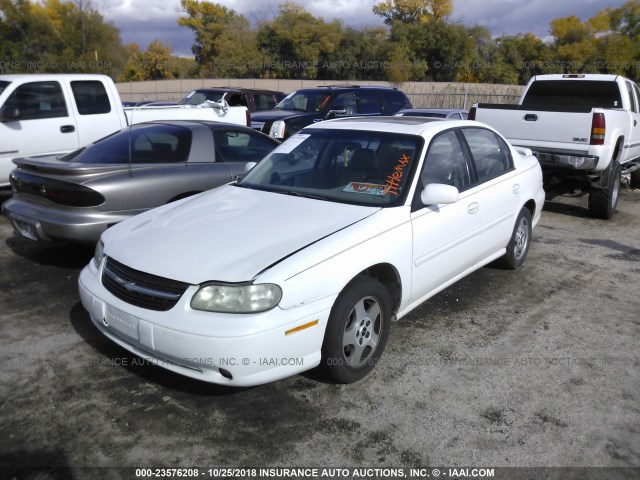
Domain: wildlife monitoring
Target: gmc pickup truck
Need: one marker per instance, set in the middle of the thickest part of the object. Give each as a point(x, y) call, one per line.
point(57, 113)
point(583, 129)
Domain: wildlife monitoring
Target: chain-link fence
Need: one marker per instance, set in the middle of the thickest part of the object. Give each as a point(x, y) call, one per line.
point(421, 94)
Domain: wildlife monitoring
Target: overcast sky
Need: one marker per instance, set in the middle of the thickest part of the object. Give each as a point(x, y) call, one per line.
point(141, 21)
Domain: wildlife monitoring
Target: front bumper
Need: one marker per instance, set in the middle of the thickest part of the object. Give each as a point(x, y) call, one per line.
point(226, 349)
point(49, 224)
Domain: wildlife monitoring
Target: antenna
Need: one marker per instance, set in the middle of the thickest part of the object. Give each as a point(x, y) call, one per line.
point(130, 139)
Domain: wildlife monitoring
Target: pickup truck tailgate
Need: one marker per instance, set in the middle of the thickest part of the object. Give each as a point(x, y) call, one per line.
point(531, 127)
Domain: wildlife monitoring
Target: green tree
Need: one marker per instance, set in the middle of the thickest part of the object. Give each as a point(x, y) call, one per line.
point(152, 64)
point(56, 36)
point(526, 54)
point(208, 21)
point(296, 43)
point(360, 55)
point(413, 11)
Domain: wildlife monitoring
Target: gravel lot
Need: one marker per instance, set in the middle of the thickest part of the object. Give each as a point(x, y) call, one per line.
point(531, 368)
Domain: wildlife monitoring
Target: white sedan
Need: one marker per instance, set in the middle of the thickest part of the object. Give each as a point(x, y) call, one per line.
point(305, 262)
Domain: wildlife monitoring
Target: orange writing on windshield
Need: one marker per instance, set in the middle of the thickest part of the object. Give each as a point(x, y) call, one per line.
point(393, 181)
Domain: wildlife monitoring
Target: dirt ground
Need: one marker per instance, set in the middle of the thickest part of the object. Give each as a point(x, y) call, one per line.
point(537, 367)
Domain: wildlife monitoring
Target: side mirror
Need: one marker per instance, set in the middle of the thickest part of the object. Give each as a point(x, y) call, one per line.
point(9, 114)
point(337, 110)
point(439, 194)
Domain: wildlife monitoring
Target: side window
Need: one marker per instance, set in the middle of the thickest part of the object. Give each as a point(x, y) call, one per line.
point(369, 103)
point(346, 101)
point(445, 163)
point(264, 101)
point(38, 100)
point(632, 98)
point(91, 97)
point(635, 89)
point(236, 100)
point(490, 153)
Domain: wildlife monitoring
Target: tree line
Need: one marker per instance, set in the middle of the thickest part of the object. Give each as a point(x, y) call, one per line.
point(418, 42)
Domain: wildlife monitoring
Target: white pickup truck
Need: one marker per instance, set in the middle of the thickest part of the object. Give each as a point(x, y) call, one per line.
point(584, 130)
point(57, 113)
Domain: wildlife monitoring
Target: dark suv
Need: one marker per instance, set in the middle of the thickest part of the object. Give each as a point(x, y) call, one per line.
point(310, 105)
point(254, 100)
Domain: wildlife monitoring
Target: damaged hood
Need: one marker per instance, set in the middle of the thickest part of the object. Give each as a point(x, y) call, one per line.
point(228, 234)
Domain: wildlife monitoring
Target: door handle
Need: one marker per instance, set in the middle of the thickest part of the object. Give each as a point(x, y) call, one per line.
point(473, 208)
point(531, 117)
point(67, 129)
point(516, 189)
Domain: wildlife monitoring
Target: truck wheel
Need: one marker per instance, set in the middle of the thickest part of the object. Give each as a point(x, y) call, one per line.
point(518, 245)
point(603, 201)
point(357, 330)
point(635, 179)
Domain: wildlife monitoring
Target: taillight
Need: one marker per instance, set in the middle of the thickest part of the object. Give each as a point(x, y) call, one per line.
point(598, 129)
point(248, 118)
point(472, 113)
point(62, 193)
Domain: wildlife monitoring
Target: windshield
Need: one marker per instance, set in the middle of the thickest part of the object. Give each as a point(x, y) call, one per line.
point(346, 166)
point(305, 101)
point(200, 96)
point(3, 85)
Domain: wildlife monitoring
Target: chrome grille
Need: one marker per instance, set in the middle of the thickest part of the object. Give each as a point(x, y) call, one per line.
point(141, 289)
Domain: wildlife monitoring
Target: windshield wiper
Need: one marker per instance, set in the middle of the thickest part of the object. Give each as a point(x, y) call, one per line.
point(300, 194)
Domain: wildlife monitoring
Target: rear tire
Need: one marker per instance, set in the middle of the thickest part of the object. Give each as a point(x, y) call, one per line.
point(603, 201)
point(518, 246)
point(635, 179)
point(357, 330)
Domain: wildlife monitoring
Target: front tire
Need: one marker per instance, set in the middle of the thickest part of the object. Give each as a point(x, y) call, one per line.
point(603, 201)
point(518, 246)
point(357, 330)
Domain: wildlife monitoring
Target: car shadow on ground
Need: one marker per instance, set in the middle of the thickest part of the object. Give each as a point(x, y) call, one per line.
point(113, 354)
point(57, 255)
point(44, 464)
point(564, 209)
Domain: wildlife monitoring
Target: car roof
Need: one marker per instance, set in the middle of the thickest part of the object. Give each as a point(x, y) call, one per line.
point(197, 123)
point(433, 110)
point(235, 90)
point(403, 125)
point(324, 88)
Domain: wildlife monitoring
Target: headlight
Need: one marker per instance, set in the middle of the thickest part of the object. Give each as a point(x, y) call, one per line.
point(277, 129)
point(98, 253)
point(236, 298)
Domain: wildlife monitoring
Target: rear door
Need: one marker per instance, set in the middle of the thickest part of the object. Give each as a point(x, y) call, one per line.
point(496, 190)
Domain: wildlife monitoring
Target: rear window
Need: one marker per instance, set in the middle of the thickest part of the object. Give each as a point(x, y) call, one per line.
point(138, 144)
point(200, 96)
point(264, 101)
point(397, 100)
point(91, 97)
point(573, 93)
point(3, 85)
